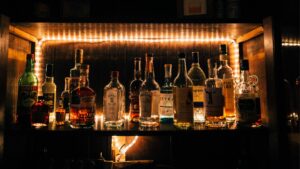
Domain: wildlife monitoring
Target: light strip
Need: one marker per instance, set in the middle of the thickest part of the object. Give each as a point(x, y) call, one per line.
point(291, 44)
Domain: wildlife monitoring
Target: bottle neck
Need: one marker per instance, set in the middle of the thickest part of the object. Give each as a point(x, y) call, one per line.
point(29, 65)
point(182, 67)
point(49, 79)
point(67, 86)
point(137, 70)
point(84, 81)
point(223, 60)
point(244, 76)
point(115, 79)
point(149, 70)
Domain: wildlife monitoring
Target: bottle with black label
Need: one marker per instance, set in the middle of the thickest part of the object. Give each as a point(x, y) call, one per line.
point(214, 99)
point(183, 96)
point(49, 91)
point(27, 92)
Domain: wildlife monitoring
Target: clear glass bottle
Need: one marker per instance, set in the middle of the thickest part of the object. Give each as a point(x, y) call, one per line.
point(134, 92)
point(75, 71)
point(83, 105)
point(214, 99)
point(60, 113)
point(226, 74)
point(49, 91)
point(149, 96)
point(247, 98)
point(166, 110)
point(183, 96)
point(198, 77)
point(66, 96)
point(114, 102)
point(40, 113)
point(27, 92)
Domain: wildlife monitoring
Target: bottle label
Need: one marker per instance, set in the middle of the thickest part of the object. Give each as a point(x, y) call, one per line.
point(74, 83)
point(248, 109)
point(149, 103)
point(198, 94)
point(183, 103)
point(27, 96)
point(228, 93)
point(49, 100)
point(214, 102)
point(166, 104)
point(111, 105)
point(134, 103)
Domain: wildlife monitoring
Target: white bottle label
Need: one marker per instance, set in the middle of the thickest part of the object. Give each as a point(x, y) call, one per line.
point(214, 102)
point(166, 104)
point(198, 94)
point(149, 101)
point(111, 105)
point(183, 103)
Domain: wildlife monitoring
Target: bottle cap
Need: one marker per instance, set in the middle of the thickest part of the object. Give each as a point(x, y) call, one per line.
point(223, 49)
point(198, 104)
point(137, 59)
point(195, 57)
point(49, 70)
point(79, 56)
point(181, 55)
point(114, 74)
point(149, 54)
point(244, 64)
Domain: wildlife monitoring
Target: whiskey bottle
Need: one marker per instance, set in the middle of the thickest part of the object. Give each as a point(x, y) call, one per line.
point(166, 110)
point(214, 100)
point(27, 92)
point(60, 113)
point(75, 71)
point(225, 73)
point(49, 91)
point(83, 106)
point(198, 77)
point(149, 96)
point(247, 98)
point(65, 96)
point(39, 113)
point(114, 102)
point(183, 96)
point(134, 91)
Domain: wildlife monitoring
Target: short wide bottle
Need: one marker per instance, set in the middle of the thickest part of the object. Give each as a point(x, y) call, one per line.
point(114, 102)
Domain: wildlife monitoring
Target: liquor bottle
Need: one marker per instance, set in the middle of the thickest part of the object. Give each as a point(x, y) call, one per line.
point(65, 95)
point(134, 92)
point(166, 110)
point(40, 113)
point(213, 100)
point(60, 113)
point(49, 91)
point(149, 96)
point(183, 96)
point(114, 102)
point(75, 71)
point(198, 77)
point(82, 105)
point(27, 92)
point(247, 98)
point(225, 73)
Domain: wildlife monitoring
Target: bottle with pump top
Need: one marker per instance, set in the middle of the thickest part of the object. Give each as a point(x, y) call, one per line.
point(27, 92)
point(183, 96)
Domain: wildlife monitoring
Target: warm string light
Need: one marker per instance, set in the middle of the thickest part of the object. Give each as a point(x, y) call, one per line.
point(121, 146)
point(235, 60)
point(291, 44)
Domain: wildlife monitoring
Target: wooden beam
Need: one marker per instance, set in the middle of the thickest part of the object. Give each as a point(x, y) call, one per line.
point(22, 34)
point(255, 32)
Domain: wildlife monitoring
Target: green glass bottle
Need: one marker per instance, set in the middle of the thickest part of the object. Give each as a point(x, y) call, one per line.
point(27, 92)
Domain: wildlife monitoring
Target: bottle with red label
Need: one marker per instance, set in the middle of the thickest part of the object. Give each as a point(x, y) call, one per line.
point(27, 92)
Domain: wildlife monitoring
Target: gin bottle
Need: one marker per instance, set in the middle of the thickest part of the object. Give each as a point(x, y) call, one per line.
point(225, 73)
point(114, 102)
point(166, 111)
point(183, 96)
point(134, 92)
point(149, 96)
point(198, 77)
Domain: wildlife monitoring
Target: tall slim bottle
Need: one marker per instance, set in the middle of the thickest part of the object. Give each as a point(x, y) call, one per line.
point(214, 99)
point(75, 71)
point(114, 102)
point(166, 110)
point(198, 77)
point(225, 73)
point(83, 105)
point(65, 96)
point(134, 91)
point(149, 96)
point(27, 92)
point(49, 92)
point(183, 96)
